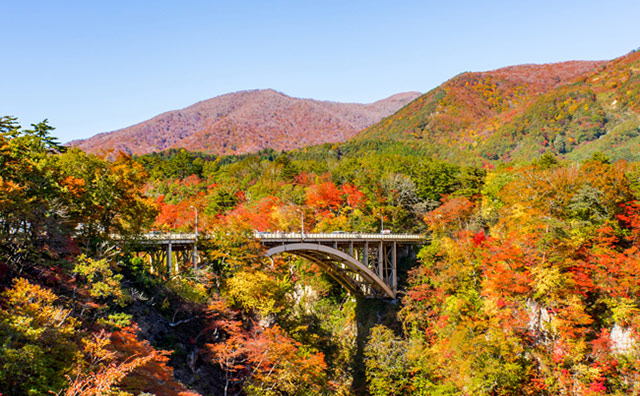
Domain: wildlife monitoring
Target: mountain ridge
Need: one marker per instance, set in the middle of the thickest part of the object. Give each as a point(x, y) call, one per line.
point(571, 109)
point(247, 121)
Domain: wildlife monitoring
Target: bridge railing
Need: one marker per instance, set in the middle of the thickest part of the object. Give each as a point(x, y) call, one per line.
point(160, 236)
point(336, 235)
point(332, 236)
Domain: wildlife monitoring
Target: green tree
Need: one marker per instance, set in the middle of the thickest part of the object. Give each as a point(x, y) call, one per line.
point(387, 367)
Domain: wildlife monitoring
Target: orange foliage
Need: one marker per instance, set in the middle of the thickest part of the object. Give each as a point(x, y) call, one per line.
point(553, 278)
point(506, 267)
point(122, 360)
point(262, 359)
point(73, 185)
point(630, 218)
point(353, 196)
point(324, 197)
point(181, 215)
point(154, 376)
point(255, 217)
point(452, 213)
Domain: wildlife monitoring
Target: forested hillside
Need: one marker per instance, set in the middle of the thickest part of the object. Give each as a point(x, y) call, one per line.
point(528, 288)
point(247, 121)
point(527, 285)
point(97, 318)
point(572, 109)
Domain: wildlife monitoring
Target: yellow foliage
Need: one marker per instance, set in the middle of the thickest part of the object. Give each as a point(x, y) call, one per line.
point(101, 280)
point(189, 290)
point(257, 291)
point(31, 311)
point(37, 336)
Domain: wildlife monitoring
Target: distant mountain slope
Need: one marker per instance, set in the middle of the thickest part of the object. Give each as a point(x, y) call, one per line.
point(571, 108)
point(247, 121)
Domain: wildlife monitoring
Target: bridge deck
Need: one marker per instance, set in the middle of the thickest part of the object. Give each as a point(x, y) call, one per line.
point(276, 237)
point(288, 237)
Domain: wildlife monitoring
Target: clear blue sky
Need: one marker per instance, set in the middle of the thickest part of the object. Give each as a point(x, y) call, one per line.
point(94, 66)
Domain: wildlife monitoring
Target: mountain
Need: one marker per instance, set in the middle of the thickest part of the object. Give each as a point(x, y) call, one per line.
point(247, 121)
point(571, 109)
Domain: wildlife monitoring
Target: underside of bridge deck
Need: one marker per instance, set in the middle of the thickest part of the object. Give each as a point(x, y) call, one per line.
point(362, 268)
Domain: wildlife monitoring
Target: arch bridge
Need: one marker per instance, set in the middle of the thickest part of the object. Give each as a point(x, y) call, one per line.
point(365, 264)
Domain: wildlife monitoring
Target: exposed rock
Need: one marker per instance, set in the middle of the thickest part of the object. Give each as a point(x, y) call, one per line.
point(622, 340)
point(539, 317)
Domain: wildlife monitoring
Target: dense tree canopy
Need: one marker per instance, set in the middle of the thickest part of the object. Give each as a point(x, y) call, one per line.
point(528, 285)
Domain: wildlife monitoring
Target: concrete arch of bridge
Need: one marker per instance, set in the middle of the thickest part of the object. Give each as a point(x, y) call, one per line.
point(310, 251)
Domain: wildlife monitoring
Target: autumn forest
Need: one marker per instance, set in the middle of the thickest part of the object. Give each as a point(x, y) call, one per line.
point(525, 182)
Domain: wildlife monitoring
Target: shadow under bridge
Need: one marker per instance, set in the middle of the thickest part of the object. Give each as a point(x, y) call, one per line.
point(365, 264)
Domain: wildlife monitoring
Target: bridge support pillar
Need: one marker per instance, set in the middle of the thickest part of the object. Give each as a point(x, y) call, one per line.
point(195, 256)
point(365, 253)
point(169, 254)
point(394, 268)
point(381, 261)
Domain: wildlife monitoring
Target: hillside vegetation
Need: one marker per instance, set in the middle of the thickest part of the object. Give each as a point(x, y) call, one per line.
point(100, 319)
point(528, 285)
point(247, 121)
point(571, 109)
